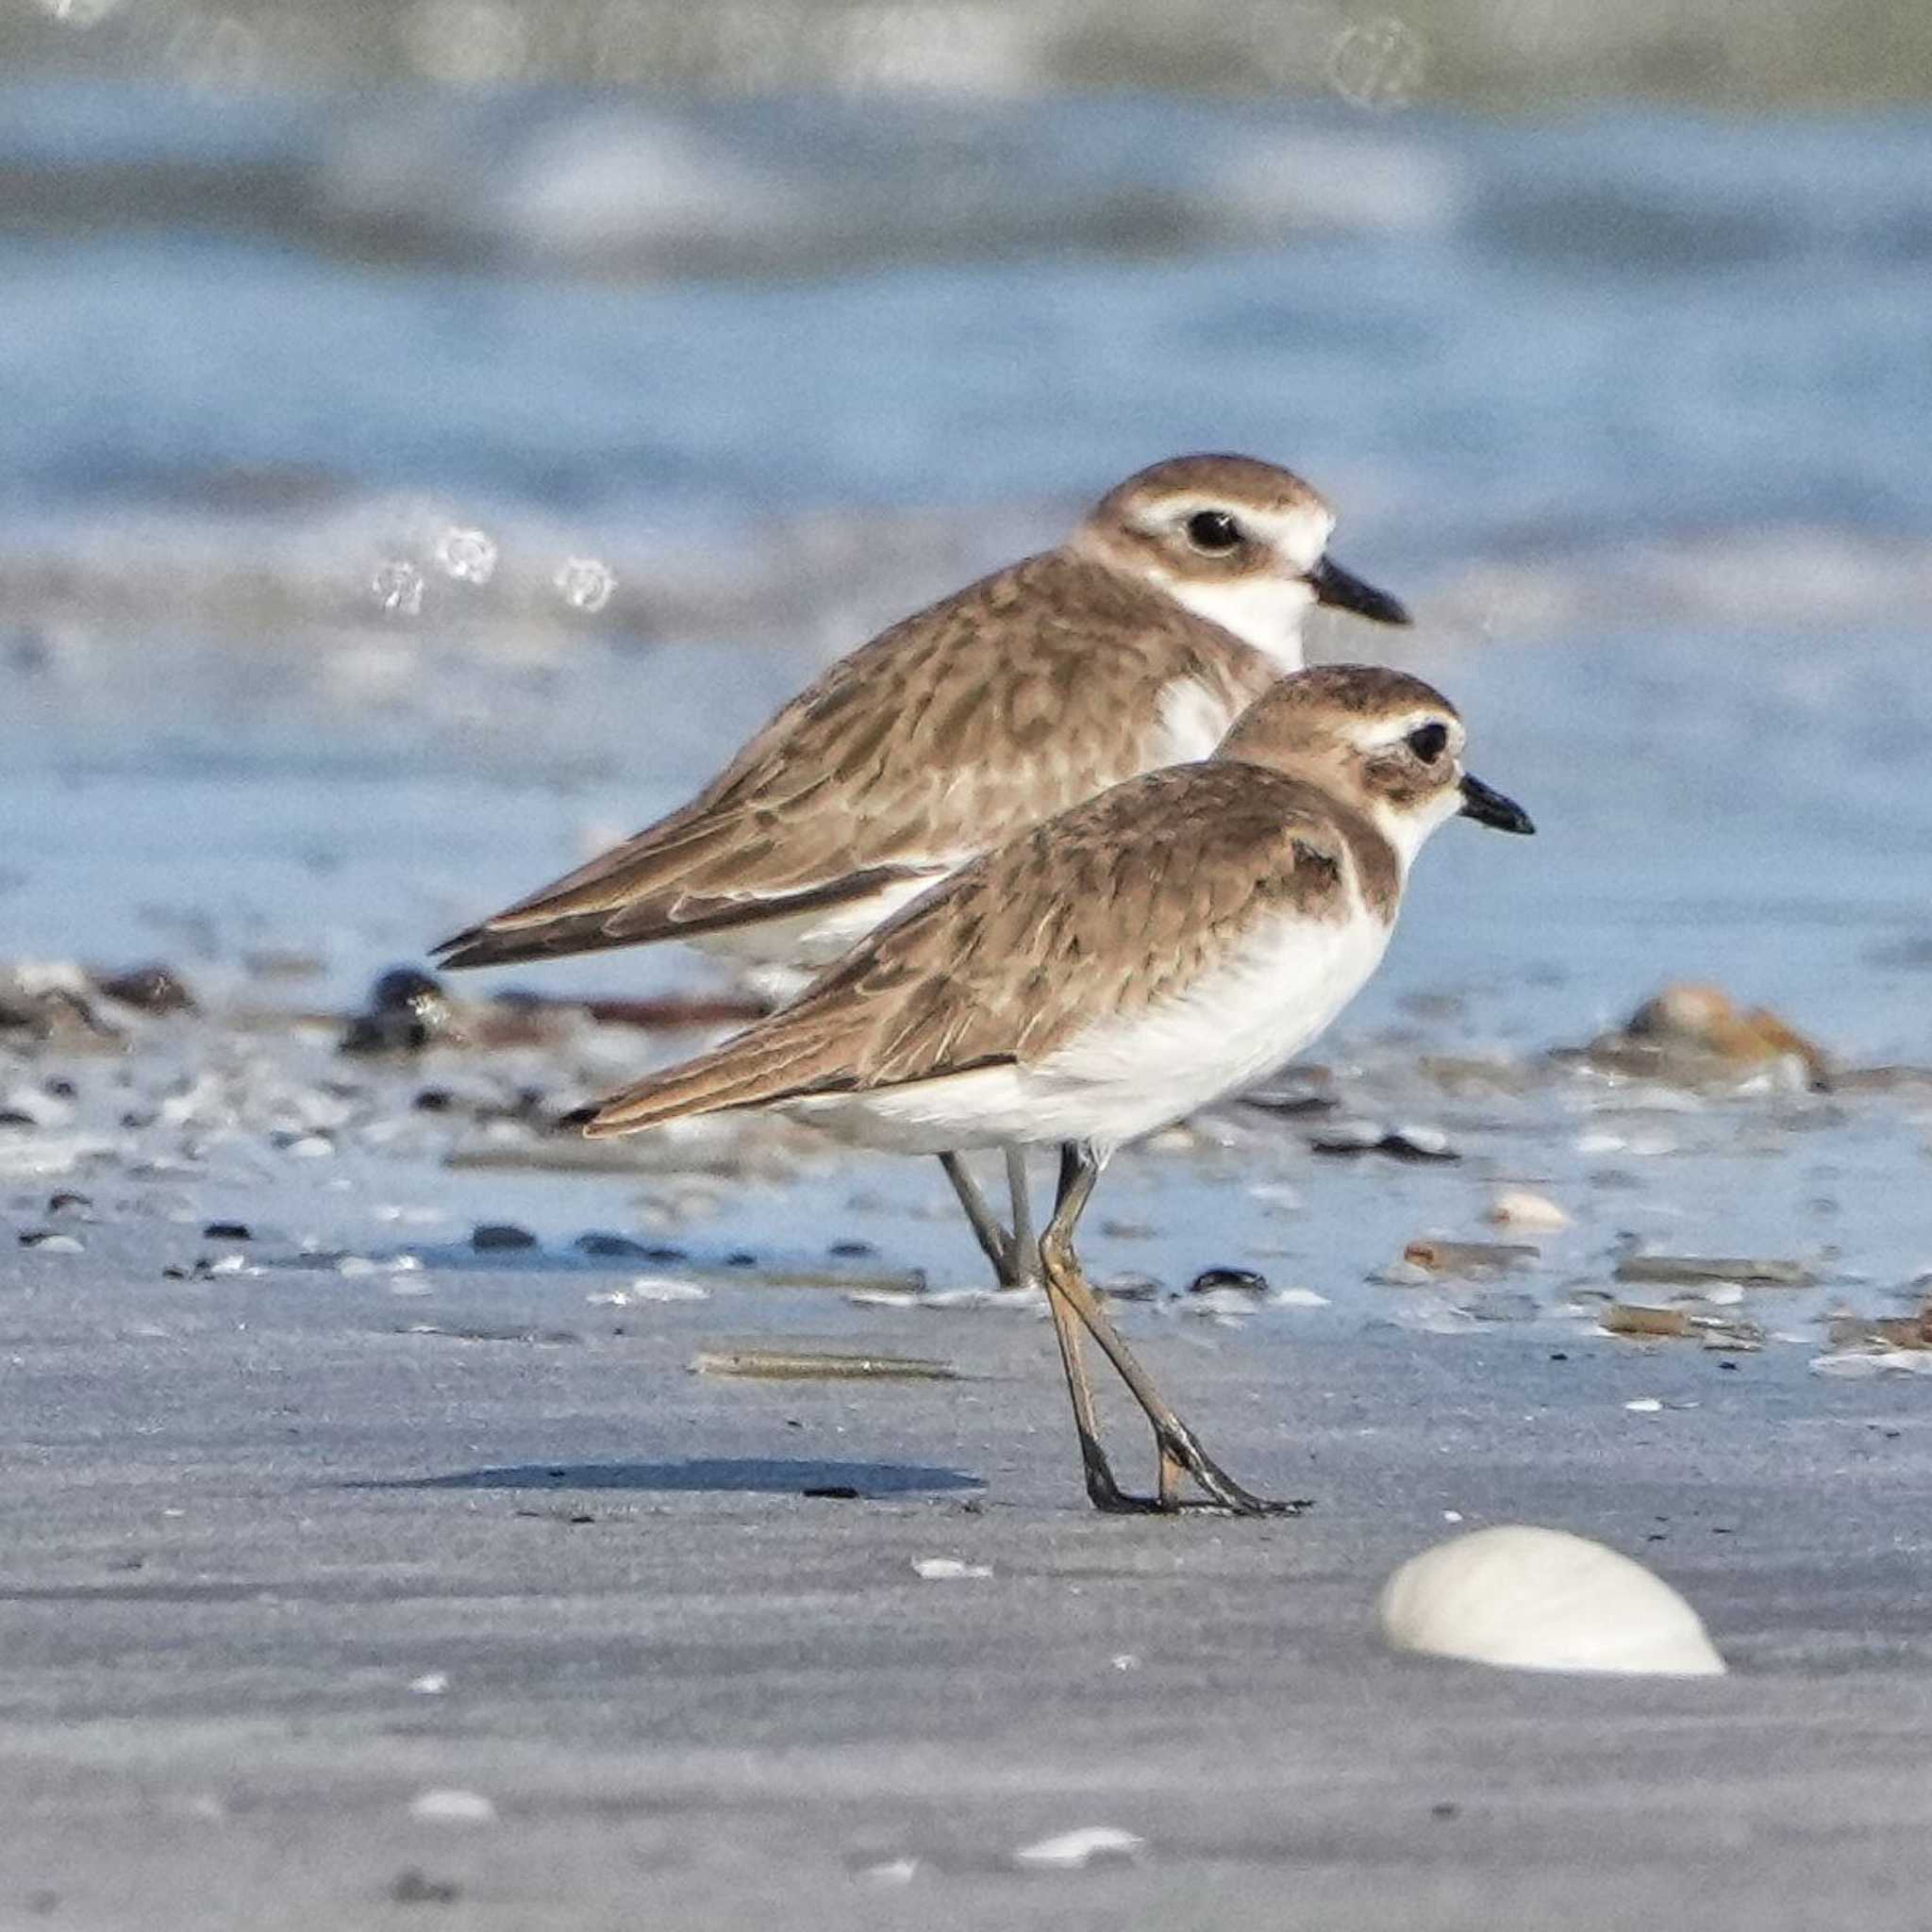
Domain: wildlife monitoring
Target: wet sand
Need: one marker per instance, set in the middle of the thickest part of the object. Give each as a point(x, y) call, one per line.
point(276, 1566)
point(343, 1511)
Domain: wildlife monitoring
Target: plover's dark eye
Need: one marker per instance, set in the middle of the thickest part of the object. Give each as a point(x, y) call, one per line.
point(1213, 530)
point(1428, 741)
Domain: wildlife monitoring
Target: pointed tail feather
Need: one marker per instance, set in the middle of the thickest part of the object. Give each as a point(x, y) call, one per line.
point(773, 1060)
point(486, 946)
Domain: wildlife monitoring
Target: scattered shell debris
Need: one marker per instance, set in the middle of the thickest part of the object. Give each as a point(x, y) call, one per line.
point(941, 1298)
point(1071, 1850)
point(1860, 1364)
point(798, 1364)
point(1524, 1597)
point(1694, 1035)
point(1470, 1258)
point(1881, 1331)
point(1399, 1143)
point(651, 1288)
point(1222, 1304)
point(1696, 1269)
point(1715, 1331)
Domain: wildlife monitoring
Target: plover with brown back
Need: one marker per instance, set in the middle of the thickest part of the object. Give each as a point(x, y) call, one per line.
point(1133, 645)
point(1113, 969)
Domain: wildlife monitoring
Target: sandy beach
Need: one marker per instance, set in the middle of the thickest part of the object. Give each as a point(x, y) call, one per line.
point(287, 1553)
point(426, 452)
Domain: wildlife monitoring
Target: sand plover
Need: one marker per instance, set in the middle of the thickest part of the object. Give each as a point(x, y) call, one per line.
point(1135, 644)
point(1115, 968)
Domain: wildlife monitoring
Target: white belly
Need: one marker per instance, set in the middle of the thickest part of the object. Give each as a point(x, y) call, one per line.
point(1123, 1078)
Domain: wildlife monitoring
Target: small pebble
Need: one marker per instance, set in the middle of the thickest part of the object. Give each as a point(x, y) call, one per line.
point(407, 1010)
point(414, 1888)
point(947, 1568)
point(1245, 1279)
point(1644, 1405)
point(152, 989)
point(228, 1231)
point(497, 1236)
point(616, 1247)
point(45, 1242)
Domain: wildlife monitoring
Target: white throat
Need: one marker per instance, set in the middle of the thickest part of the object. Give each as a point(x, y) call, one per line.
point(1265, 612)
point(1409, 831)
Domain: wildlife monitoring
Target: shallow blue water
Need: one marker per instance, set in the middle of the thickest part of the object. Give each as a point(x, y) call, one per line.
point(1646, 390)
point(1479, 333)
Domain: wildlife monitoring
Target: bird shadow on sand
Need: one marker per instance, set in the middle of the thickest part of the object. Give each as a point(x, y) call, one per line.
point(743, 1475)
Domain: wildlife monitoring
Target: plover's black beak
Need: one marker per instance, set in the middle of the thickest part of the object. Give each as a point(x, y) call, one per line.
point(1488, 808)
point(1344, 591)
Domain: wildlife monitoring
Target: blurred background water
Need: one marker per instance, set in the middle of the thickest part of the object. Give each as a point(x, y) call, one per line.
point(431, 431)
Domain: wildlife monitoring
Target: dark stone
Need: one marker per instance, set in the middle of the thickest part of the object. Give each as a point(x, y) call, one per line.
point(611, 1246)
point(408, 1009)
point(1244, 1278)
point(414, 1888)
point(228, 1231)
point(850, 1250)
point(500, 1235)
point(150, 988)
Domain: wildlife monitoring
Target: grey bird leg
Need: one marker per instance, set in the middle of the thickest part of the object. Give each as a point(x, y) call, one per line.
point(1023, 1249)
point(992, 1239)
point(1180, 1450)
point(1023, 1252)
point(1016, 1260)
point(1015, 1257)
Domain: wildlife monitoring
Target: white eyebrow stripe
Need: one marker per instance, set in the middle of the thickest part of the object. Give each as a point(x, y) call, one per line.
point(1394, 730)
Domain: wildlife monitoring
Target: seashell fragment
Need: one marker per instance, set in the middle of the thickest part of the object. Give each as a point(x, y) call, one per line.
point(453, 1807)
point(1535, 1599)
point(1520, 1207)
point(1071, 1850)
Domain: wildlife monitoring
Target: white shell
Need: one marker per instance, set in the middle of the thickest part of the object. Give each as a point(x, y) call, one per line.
point(1073, 1849)
point(1520, 1207)
point(1544, 1600)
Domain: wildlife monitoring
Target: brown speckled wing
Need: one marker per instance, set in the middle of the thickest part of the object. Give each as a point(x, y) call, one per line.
point(1100, 912)
point(1023, 695)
